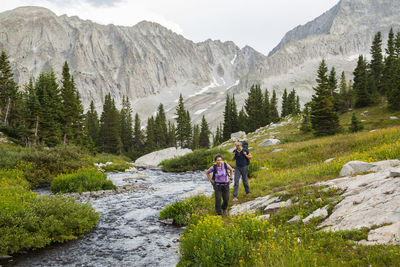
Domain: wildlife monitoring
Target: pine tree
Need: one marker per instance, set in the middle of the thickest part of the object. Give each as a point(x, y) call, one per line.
point(162, 132)
point(110, 140)
point(196, 137)
point(234, 115)
point(188, 131)
point(274, 108)
point(363, 96)
point(49, 97)
point(242, 120)
point(227, 129)
point(298, 107)
point(389, 65)
point(284, 111)
point(72, 109)
point(150, 144)
point(324, 119)
point(356, 125)
point(306, 123)
point(339, 98)
point(181, 127)
point(217, 137)
point(291, 103)
point(92, 124)
point(394, 93)
point(138, 136)
point(8, 89)
point(32, 106)
point(204, 134)
point(266, 108)
point(332, 82)
point(376, 66)
point(171, 134)
point(254, 108)
point(126, 125)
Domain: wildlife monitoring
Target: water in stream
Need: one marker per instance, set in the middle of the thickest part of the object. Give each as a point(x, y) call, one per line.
point(128, 233)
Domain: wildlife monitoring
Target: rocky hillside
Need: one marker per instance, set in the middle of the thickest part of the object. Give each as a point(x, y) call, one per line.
point(140, 61)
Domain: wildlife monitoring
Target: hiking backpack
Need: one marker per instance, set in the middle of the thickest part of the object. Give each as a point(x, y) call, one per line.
point(215, 170)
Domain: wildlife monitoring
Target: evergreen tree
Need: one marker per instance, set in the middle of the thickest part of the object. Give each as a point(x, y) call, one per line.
point(110, 140)
point(196, 137)
point(306, 123)
point(8, 89)
point(332, 82)
point(298, 107)
point(393, 93)
point(204, 134)
point(274, 108)
point(389, 65)
point(49, 97)
point(227, 130)
point(254, 108)
point(234, 115)
point(162, 132)
point(150, 144)
point(72, 109)
point(171, 134)
point(138, 136)
point(188, 131)
point(376, 66)
point(324, 119)
point(126, 125)
point(242, 121)
point(363, 96)
point(217, 137)
point(92, 124)
point(291, 103)
point(267, 109)
point(32, 107)
point(339, 98)
point(356, 125)
point(285, 108)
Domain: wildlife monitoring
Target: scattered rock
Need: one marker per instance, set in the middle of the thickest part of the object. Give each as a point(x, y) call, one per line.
point(394, 118)
point(154, 159)
point(372, 131)
point(275, 207)
point(277, 150)
point(5, 257)
point(253, 206)
point(131, 169)
point(238, 136)
point(329, 160)
point(395, 173)
point(270, 142)
point(386, 235)
point(167, 221)
point(364, 113)
point(321, 212)
point(354, 167)
point(363, 120)
point(294, 220)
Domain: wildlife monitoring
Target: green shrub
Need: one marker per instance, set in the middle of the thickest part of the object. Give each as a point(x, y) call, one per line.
point(81, 181)
point(117, 167)
point(197, 160)
point(180, 211)
point(48, 163)
point(10, 155)
point(254, 167)
point(28, 221)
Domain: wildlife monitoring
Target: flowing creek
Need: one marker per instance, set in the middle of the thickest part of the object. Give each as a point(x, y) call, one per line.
point(128, 233)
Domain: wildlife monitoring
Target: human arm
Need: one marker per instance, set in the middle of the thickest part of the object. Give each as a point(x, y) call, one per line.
point(247, 154)
point(209, 177)
point(231, 171)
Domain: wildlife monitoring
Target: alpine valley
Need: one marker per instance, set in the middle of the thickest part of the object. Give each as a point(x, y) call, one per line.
point(150, 64)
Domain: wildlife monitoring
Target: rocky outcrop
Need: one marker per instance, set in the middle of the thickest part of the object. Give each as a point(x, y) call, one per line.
point(155, 158)
point(270, 142)
point(354, 167)
point(238, 136)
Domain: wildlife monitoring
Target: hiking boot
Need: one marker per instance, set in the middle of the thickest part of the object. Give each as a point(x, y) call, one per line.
point(235, 199)
point(247, 195)
point(224, 212)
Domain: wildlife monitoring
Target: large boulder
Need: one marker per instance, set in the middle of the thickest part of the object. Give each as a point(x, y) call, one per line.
point(270, 142)
point(355, 167)
point(153, 159)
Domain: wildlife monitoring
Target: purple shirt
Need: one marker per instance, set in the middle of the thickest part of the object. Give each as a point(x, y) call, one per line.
point(221, 175)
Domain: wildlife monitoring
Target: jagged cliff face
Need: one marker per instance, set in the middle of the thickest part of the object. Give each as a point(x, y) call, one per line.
point(140, 61)
point(339, 36)
point(150, 64)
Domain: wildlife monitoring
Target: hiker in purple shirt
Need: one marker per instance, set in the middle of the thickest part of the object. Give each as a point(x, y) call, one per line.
point(220, 181)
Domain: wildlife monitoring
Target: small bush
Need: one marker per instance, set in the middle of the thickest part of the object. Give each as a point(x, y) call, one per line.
point(28, 221)
point(197, 160)
point(117, 167)
point(48, 163)
point(10, 155)
point(180, 211)
point(81, 181)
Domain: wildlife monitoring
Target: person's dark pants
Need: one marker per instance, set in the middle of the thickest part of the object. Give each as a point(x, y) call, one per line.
point(221, 191)
point(241, 172)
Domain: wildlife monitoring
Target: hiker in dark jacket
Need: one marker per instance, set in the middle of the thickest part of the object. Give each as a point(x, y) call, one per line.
point(220, 182)
point(242, 157)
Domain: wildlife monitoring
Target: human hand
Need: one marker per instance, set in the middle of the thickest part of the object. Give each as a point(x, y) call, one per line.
point(213, 182)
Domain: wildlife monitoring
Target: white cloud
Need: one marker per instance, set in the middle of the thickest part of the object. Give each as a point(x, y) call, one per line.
point(258, 23)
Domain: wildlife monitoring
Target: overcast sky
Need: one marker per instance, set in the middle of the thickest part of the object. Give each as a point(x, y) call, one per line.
point(258, 23)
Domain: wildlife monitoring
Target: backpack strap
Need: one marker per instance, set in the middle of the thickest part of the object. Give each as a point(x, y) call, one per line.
point(214, 171)
point(226, 170)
